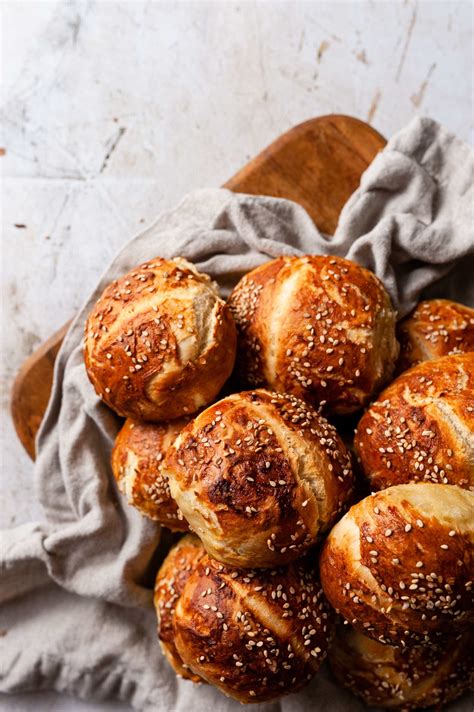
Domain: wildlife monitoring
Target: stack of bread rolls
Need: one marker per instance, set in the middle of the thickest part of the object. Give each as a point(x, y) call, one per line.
point(248, 601)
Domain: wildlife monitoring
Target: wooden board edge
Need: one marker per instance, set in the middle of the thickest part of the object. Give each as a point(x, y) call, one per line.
point(337, 121)
point(25, 380)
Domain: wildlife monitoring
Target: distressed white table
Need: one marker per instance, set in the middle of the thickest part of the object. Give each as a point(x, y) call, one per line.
point(113, 111)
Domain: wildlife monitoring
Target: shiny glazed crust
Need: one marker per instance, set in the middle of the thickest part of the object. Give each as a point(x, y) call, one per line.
point(259, 476)
point(437, 327)
point(402, 678)
point(159, 343)
point(399, 565)
point(178, 566)
point(321, 328)
point(421, 428)
point(137, 461)
point(256, 635)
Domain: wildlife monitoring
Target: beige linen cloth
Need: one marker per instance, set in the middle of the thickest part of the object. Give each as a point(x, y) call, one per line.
point(76, 589)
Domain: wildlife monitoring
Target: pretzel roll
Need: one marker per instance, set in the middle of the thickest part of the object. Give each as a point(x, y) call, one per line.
point(259, 476)
point(160, 342)
point(435, 328)
point(421, 428)
point(256, 635)
point(178, 566)
point(407, 678)
point(399, 565)
point(137, 461)
point(321, 328)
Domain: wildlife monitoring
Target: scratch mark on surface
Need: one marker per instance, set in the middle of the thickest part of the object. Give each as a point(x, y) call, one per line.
point(374, 105)
point(301, 42)
point(59, 214)
point(75, 25)
point(417, 98)
point(411, 27)
point(108, 200)
point(323, 47)
point(261, 63)
point(450, 23)
point(113, 143)
point(361, 57)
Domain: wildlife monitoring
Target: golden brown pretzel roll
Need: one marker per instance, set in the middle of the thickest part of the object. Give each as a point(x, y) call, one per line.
point(321, 328)
point(137, 461)
point(421, 428)
point(435, 328)
point(259, 476)
point(175, 570)
point(256, 635)
point(396, 677)
point(399, 565)
point(160, 342)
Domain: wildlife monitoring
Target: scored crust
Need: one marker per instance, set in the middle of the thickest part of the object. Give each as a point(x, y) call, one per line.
point(137, 462)
point(319, 327)
point(259, 476)
point(399, 565)
point(397, 677)
point(256, 635)
point(421, 428)
point(435, 328)
point(181, 561)
point(159, 343)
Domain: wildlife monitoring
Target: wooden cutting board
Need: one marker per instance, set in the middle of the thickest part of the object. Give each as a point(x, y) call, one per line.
point(318, 164)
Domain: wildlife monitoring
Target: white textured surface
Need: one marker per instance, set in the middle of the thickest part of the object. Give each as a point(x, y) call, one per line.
point(113, 111)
